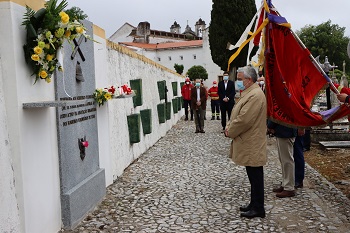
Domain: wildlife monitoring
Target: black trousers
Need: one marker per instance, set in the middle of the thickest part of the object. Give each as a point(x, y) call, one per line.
point(187, 103)
point(226, 108)
point(256, 179)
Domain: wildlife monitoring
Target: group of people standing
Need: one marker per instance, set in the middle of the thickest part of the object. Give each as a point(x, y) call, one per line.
point(195, 97)
point(247, 126)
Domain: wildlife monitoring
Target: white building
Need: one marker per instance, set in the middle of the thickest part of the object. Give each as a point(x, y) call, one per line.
point(169, 48)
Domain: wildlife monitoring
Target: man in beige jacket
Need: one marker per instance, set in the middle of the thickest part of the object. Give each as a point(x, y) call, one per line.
point(247, 128)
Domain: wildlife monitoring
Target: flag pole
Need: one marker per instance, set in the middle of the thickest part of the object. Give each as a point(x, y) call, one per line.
point(312, 58)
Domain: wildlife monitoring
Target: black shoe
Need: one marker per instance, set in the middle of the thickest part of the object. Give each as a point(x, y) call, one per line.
point(202, 131)
point(197, 131)
point(245, 208)
point(186, 119)
point(212, 118)
point(253, 214)
point(217, 118)
point(191, 118)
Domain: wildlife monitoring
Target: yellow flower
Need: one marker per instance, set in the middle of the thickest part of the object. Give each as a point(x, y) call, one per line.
point(47, 46)
point(65, 19)
point(38, 50)
point(35, 57)
point(67, 33)
point(79, 30)
point(48, 80)
point(43, 74)
point(108, 96)
point(49, 57)
point(62, 13)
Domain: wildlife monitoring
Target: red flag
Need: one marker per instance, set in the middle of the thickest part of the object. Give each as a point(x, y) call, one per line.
point(292, 79)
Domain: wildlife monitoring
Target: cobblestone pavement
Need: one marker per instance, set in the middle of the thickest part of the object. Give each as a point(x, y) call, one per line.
point(187, 183)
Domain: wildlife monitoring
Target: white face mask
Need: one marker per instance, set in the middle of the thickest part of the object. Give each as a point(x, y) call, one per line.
point(261, 83)
point(215, 85)
point(225, 78)
point(187, 83)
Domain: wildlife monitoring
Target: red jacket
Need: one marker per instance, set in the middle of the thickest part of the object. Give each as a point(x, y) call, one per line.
point(213, 93)
point(186, 91)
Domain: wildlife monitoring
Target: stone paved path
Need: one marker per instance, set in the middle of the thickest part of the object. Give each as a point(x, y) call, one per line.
point(187, 183)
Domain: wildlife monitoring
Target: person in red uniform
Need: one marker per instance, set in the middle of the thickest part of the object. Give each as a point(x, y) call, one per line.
point(215, 102)
point(186, 95)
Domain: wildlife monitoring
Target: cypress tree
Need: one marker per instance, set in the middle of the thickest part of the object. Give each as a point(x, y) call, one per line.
point(228, 21)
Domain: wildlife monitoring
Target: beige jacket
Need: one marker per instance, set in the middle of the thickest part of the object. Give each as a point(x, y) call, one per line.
point(247, 128)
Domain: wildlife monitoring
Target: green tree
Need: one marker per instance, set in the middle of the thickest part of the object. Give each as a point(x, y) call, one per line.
point(197, 72)
point(326, 39)
point(179, 68)
point(77, 12)
point(228, 21)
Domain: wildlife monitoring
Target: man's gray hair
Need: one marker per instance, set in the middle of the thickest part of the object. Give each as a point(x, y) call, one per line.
point(249, 72)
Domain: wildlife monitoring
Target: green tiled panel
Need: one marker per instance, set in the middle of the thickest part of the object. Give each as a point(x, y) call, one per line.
point(161, 113)
point(175, 108)
point(174, 84)
point(161, 89)
point(168, 110)
point(134, 128)
point(179, 104)
point(137, 86)
point(146, 119)
point(182, 102)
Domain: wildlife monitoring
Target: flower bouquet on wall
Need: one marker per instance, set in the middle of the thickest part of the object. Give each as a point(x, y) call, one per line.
point(102, 95)
point(46, 31)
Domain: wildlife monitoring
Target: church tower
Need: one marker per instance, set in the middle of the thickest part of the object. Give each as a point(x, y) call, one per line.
point(175, 28)
point(200, 27)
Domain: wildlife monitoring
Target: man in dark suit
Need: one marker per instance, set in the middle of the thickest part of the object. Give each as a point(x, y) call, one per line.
point(226, 91)
point(199, 103)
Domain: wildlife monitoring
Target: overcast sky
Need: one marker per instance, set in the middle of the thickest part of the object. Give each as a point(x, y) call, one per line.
point(161, 14)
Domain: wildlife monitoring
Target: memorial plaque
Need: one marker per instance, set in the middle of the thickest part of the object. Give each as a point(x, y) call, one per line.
point(82, 180)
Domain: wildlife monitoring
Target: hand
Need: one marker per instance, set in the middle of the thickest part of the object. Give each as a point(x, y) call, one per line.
point(226, 133)
point(198, 103)
point(341, 97)
point(225, 99)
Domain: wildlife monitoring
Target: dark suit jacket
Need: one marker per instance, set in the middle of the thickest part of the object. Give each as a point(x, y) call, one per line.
point(229, 92)
point(203, 95)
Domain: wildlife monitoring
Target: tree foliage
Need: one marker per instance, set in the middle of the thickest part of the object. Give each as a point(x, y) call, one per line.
point(326, 39)
point(228, 21)
point(197, 72)
point(179, 68)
